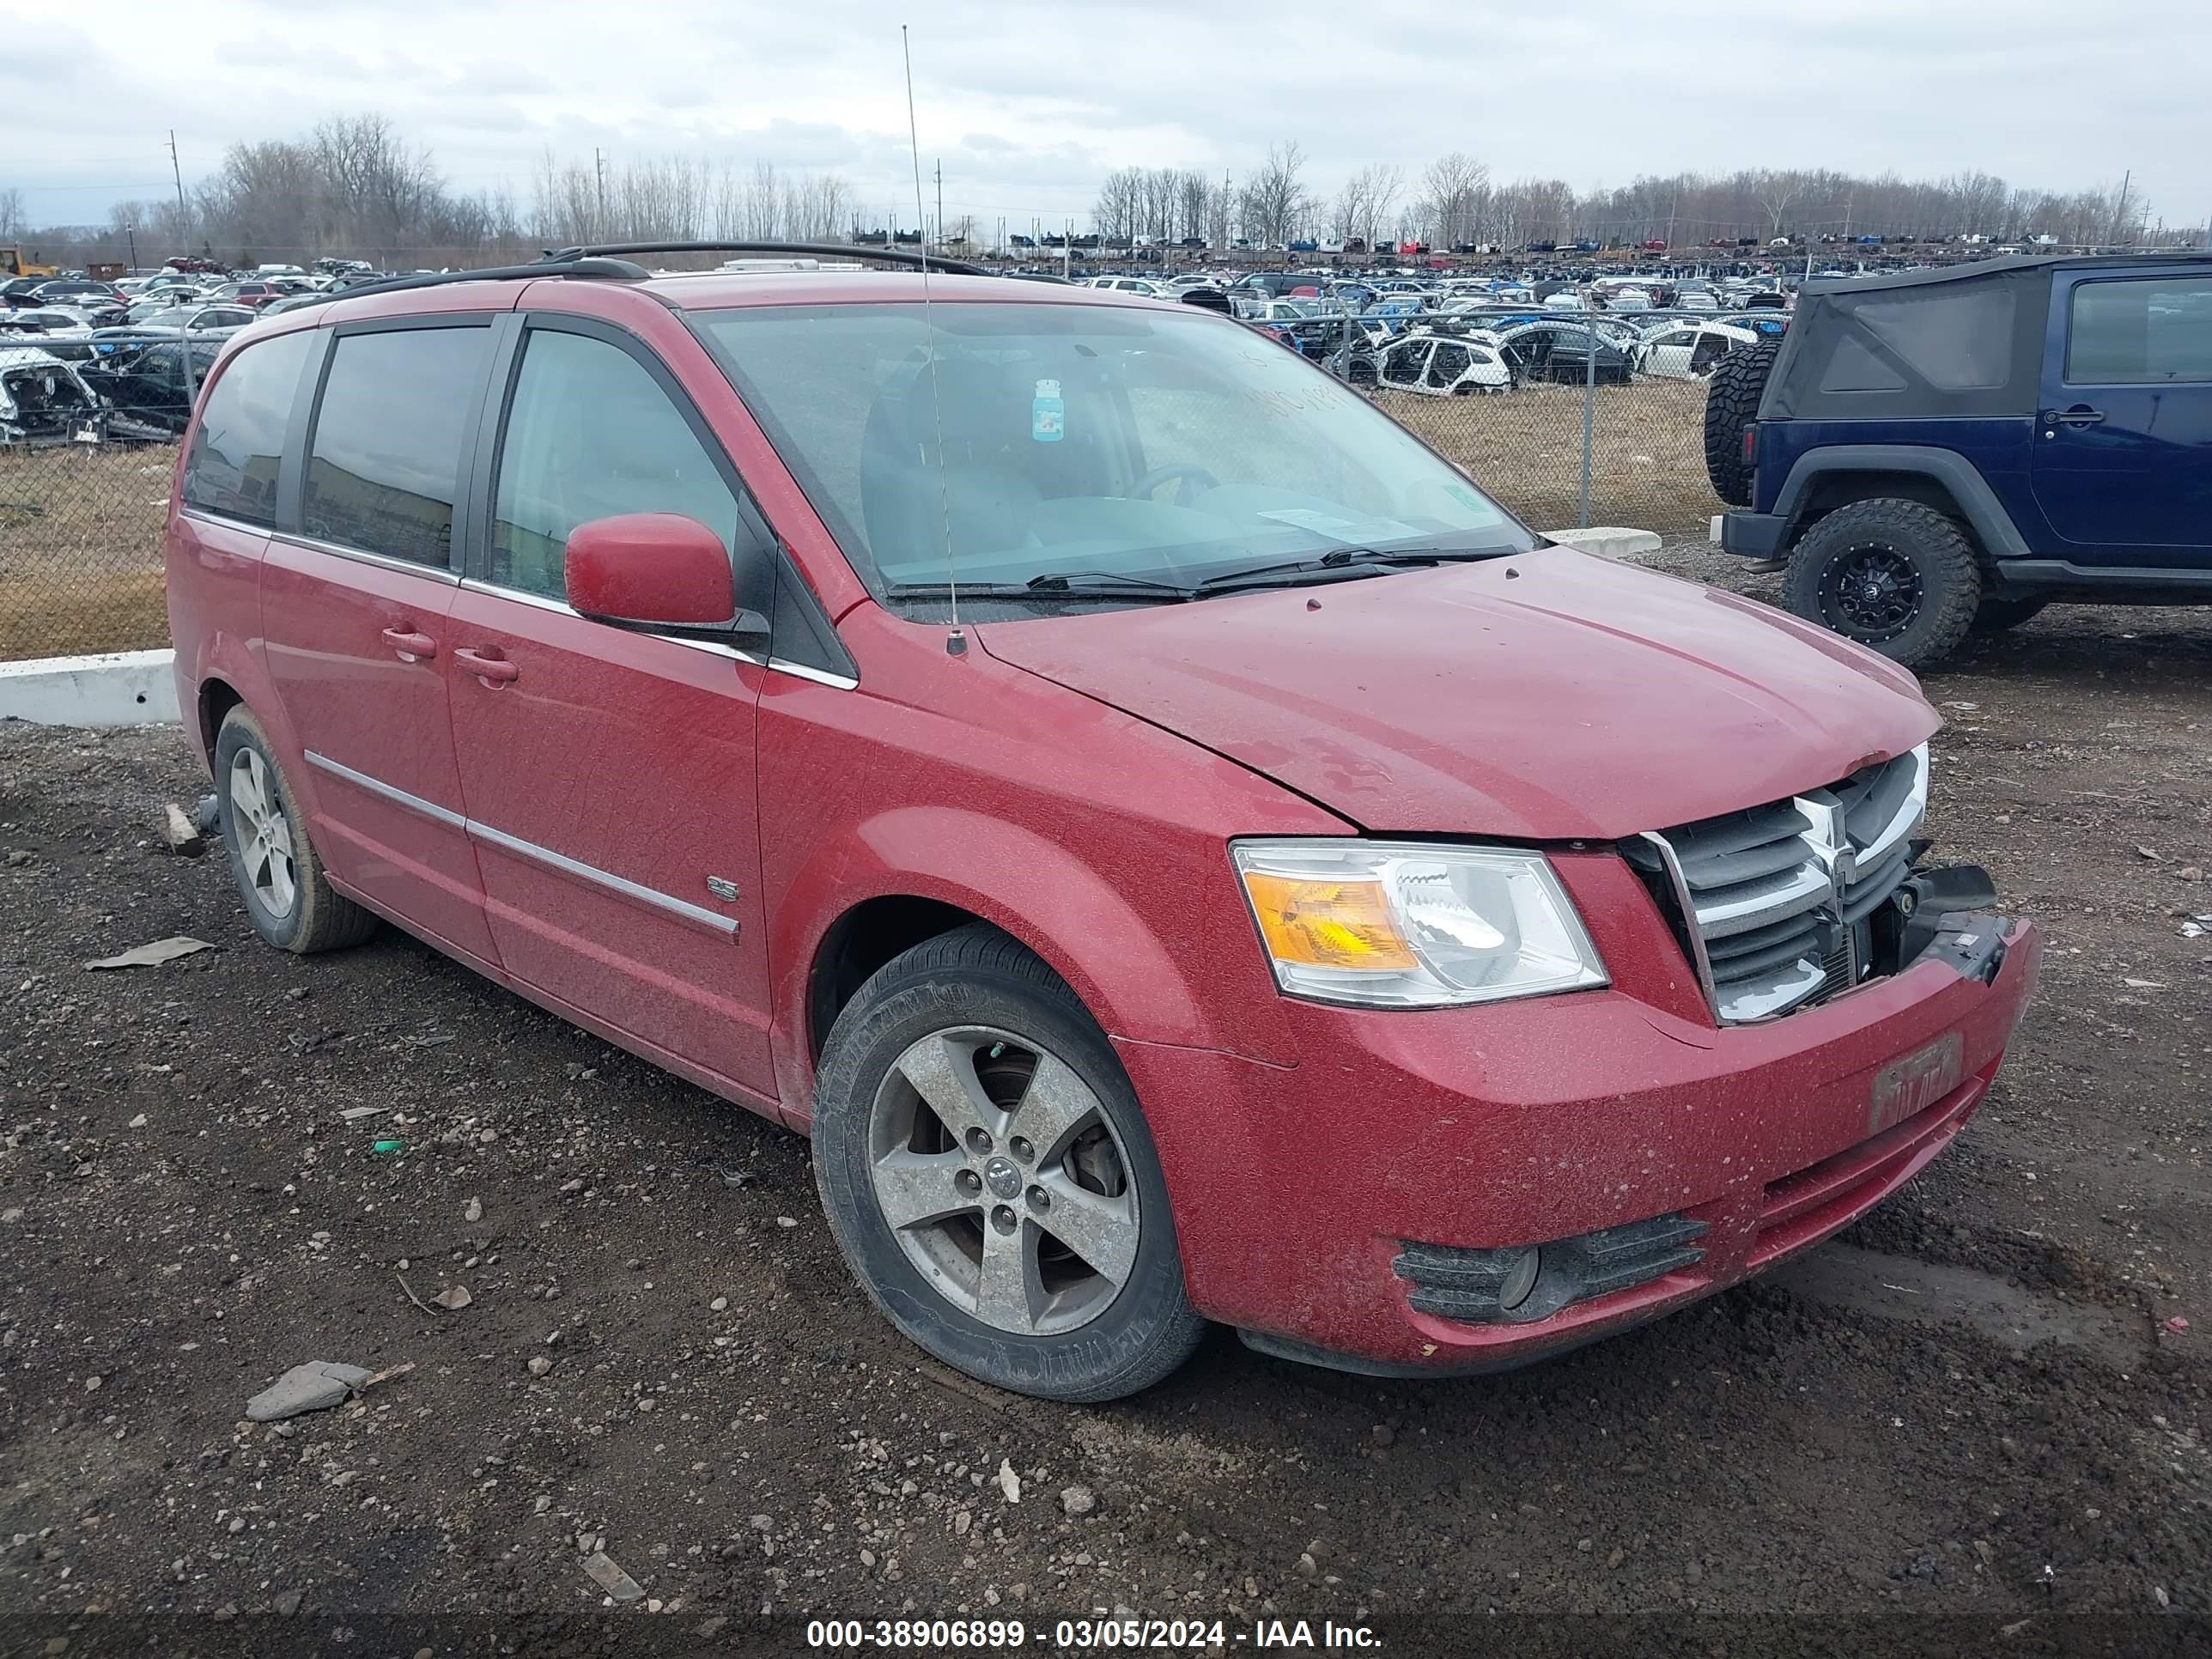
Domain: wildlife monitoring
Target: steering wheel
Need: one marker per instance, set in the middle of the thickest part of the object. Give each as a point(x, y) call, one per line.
point(1193, 479)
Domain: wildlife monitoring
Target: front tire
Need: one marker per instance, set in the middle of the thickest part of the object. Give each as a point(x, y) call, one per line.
point(289, 899)
point(990, 1179)
point(1896, 576)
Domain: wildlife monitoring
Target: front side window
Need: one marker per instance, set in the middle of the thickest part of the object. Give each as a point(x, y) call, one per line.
point(232, 465)
point(590, 435)
point(383, 464)
point(1047, 439)
point(2144, 332)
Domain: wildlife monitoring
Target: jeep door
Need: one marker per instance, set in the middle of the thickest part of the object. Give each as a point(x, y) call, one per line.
point(2123, 465)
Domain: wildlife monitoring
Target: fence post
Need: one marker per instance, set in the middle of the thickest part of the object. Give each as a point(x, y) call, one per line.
point(1589, 395)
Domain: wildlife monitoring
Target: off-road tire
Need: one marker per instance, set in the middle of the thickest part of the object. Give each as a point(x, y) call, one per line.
point(1933, 546)
point(1732, 394)
point(1996, 616)
point(977, 976)
point(319, 917)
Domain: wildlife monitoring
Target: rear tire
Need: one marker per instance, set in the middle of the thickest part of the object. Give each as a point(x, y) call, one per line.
point(990, 1178)
point(289, 899)
point(1732, 395)
point(1896, 576)
point(1996, 616)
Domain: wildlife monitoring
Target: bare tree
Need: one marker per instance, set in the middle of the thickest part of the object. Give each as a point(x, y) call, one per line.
point(1453, 188)
point(12, 220)
point(1276, 204)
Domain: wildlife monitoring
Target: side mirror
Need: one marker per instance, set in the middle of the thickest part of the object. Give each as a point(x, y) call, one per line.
point(655, 570)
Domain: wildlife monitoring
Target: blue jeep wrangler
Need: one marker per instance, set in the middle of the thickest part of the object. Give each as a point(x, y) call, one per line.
point(1940, 451)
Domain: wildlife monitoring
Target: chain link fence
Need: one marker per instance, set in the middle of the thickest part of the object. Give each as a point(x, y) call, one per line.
point(86, 457)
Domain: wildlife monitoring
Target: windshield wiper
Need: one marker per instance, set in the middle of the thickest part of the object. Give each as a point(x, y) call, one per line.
point(1057, 591)
point(1058, 582)
point(1347, 560)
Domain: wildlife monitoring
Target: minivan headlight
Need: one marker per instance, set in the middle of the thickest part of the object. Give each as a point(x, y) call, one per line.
point(1409, 925)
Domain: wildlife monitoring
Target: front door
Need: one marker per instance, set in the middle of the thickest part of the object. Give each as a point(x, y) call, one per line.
point(609, 772)
point(354, 608)
point(2123, 465)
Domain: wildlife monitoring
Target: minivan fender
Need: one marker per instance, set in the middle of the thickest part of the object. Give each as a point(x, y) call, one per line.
point(1959, 478)
point(1035, 890)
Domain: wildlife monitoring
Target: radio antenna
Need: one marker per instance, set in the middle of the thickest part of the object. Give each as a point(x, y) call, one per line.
point(955, 643)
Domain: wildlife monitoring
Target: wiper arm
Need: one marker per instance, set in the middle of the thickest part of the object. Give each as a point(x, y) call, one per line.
point(1346, 559)
point(1058, 582)
point(1060, 594)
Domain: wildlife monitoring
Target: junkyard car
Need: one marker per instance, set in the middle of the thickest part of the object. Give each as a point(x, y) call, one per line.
point(1688, 353)
point(45, 400)
point(1439, 365)
point(1183, 852)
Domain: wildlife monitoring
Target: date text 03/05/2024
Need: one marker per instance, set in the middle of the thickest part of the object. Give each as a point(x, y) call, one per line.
point(1213, 1636)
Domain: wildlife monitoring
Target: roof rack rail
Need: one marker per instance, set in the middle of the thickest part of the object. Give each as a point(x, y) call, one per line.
point(810, 250)
point(612, 271)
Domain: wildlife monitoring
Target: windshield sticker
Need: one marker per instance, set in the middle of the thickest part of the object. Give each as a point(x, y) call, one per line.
point(1350, 532)
point(1048, 413)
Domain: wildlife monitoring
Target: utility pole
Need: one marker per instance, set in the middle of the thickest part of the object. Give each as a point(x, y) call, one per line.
point(2120, 211)
point(940, 175)
point(599, 175)
point(177, 172)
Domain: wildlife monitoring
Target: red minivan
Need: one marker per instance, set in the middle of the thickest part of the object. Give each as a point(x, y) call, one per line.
point(1180, 849)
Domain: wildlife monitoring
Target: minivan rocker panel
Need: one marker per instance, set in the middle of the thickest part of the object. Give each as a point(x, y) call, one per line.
point(1421, 956)
point(1558, 697)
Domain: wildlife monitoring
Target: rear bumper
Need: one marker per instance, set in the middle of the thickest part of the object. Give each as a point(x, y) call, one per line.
point(1754, 535)
point(1296, 1190)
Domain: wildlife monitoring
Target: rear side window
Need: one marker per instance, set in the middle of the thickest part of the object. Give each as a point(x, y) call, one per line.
point(232, 466)
point(2145, 331)
point(383, 464)
point(592, 434)
point(1957, 335)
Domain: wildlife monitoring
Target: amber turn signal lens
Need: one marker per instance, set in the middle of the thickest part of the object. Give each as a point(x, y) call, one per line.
point(1326, 924)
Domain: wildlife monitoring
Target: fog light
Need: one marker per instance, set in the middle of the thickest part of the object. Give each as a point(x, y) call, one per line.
point(1520, 1278)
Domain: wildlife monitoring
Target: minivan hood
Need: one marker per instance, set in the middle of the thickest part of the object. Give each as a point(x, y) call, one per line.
point(1550, 696)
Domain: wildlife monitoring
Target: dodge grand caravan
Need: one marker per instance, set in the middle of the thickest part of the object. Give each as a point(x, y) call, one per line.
point(1181, 852)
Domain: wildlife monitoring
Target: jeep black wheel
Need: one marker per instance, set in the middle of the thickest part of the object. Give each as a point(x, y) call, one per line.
point(1895, 575)
point(991, 1179)
point(1996, 616)
point(1732, 394)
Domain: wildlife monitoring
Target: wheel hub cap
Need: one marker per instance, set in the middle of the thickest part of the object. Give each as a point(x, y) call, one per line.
point(996, 1169)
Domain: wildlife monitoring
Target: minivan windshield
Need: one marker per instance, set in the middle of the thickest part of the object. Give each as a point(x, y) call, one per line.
point(1013, 444)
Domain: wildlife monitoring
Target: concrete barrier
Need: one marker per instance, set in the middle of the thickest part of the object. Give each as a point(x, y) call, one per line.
point(120, 687)
point(1606, 541)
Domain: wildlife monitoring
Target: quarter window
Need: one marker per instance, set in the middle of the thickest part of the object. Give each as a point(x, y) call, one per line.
point(232, 467)
point(384, 463)
point(2145, 331)
point(592, 434)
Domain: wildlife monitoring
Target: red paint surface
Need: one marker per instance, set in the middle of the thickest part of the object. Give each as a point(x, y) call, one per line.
point(1075, 781)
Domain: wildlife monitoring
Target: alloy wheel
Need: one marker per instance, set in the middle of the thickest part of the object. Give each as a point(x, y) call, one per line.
point(1874, 591)
point(999, 1173)
point(264, 852)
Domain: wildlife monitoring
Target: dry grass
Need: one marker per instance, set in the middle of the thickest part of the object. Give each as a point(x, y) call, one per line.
point(1647, 451)
point(80, 528)
point(81, 550)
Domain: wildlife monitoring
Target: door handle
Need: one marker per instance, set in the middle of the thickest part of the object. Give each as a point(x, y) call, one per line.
point(2073, 416)
point(492, 670)
point(409, 644)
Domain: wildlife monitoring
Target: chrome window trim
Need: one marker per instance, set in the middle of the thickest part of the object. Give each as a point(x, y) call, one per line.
point(362, 556)
point(620, 885)
point(226, 520)
point(716, 647)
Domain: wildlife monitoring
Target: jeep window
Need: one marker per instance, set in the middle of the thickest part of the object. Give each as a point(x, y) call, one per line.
point(232, 466)
point(590, 435)
point(384, 459)
point(2147, 330)
point(1957, 335)
point(1158, 445)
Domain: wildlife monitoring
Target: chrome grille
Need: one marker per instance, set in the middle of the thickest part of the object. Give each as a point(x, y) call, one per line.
point(1773, 898)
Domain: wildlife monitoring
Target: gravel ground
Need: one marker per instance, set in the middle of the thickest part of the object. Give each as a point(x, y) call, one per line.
point(1964, 1427)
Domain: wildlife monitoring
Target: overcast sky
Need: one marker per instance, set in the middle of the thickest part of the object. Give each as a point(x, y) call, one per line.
point(1028, 104)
